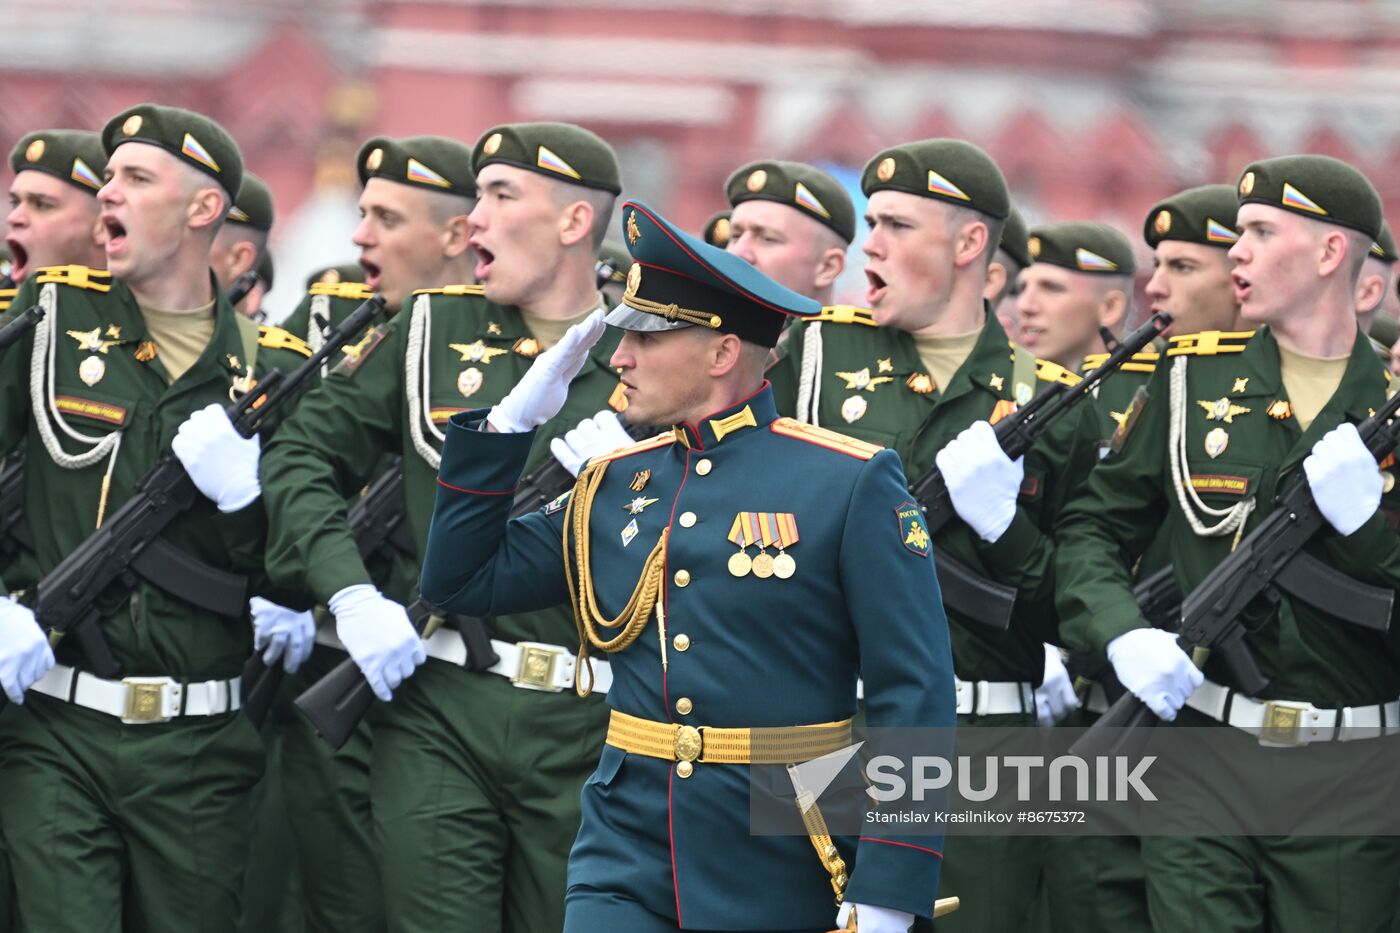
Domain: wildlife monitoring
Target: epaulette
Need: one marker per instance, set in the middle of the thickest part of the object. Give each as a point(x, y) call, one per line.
point(7, 296)
point(1047, 371)
point(651, 443)
point(845, 314)
point(1143, 362)
point(452, 290)
point(275, 338)
point(97, 280)
point(1209, 343)
point(791, 427)
point(356, 291)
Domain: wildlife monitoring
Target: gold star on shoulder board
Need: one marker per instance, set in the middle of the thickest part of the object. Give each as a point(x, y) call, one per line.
point(638, 505)
point(1241, 384)
point(996, 382)
point(477, 352)
point(1222, 409)
point(91, 340)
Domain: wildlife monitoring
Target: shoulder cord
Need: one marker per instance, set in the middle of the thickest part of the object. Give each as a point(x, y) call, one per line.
point(579, 574)
point(315, 336)
point(809, 389)
point(1231, 519)
point(418, 381)
point(42, 398)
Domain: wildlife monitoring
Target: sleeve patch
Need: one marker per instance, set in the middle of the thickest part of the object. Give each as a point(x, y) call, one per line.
point(912, 530)
point(354, 354)
point(559, 502)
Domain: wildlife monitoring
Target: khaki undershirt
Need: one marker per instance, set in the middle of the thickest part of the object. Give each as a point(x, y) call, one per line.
point(943, 354)
point(1310, 381)
point(549, 331)
point(180, 336)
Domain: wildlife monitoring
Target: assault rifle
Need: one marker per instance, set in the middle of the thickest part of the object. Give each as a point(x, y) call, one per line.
point(97, 576)
point(1269, 558)
point(19, 325)
point(14, 532)
point(964, 589)
point(241, 286)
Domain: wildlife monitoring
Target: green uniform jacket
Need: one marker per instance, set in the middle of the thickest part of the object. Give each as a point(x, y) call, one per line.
point(109, 388)
point(334, 302)
point(1115, 394)
point(1130, 498)
point(475, 351)
point(863, 598)
point(916, 426)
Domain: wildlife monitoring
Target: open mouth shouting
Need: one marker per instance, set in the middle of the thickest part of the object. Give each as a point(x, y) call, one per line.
point(115, 232)
point(1243, 288)
point(485, 259)
point(19, 259)
point(373, 273)
point(877, 288)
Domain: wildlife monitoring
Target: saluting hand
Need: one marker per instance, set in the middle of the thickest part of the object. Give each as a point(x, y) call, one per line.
point(540, 393)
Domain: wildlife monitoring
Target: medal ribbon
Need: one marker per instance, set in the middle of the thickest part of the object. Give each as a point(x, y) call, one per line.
point(765, 529)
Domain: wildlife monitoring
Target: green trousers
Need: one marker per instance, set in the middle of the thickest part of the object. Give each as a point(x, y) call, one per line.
point(475, 785)
point(137, 827)
point(272, 899)
point(327, 799)
point(7, 891)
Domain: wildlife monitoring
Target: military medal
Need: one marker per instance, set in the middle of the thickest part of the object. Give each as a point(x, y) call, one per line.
point(477, 352)
point(920, 383)
point(1280, 410)
point(91, 370)
point(743, 533)
point(145, 351)
point(469, 380)
point(1216, 442)
point(740, 564)
point(1222, 409)
point(853, 408)
point(861, 380)
point(640, 480)
point(527, 347)
point(783, 565)
point(629, 532)
point(638, 505)
point(763, 565)
point(766, 529)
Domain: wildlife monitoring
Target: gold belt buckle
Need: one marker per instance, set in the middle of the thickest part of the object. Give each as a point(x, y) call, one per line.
point(145, 699)
point(688, 743)
point(536, 670)
point(1283, 723)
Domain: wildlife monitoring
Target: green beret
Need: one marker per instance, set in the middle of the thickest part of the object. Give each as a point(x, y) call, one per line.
point(1082, 247)
point(1014, 238)
point(74, 156)
point(560, 151)
point(798, 185)
point(716, 232)
point(434, 162)
point(1384, 330)
point(192, 137)
point(1315, 186)
point(334, 275)
point(1384, 247)
point(1204, 215)
point(945, 169)
point(253, 206)
point(264, 270)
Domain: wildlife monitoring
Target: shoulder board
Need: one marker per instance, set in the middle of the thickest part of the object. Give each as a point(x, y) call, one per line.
point(7, 295)
point(791, 427)
point(98, 280)
point(845, 314)
point(1142, 362)
point(660, 440)
point(275, 338)
point(452, 290)
point(357, 291)
point(1046, 371)
point(1209, 343)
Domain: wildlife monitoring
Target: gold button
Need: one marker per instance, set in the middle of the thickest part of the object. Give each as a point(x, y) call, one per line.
point(684, 769)
point(703, 467)
point(687, 519)
point(684, 706)
point(682, 578)
point(681, 642)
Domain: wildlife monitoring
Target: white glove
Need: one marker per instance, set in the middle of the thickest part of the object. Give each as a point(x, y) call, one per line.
point(222, 462)
point(540, 393)
point(25, 655)
point(1150, 663)
point(378, 635)
point(601, 434)
point(285, 633)
point(1055, 697)
point(982, 481)
point(873, 919)
point(1344, 479)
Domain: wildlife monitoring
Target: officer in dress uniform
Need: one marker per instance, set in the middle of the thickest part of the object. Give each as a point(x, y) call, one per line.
point(124, 803)
point(1230, 418)
point(476, 764)
point(688, 559)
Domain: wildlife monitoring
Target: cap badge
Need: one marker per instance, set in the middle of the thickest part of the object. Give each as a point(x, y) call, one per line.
point(195, 150)
point(1033, 247)
point(331, 277)
point(1292, 197)
point(937, 184)
point(84, 175)
point(420, 173)
point(885, 170)
point(35, 152)
point(132, 126)
point(549, 160)
point(1162, 223)
point(493, 142)
point(238, 215)
point(634, 232)
point(720, 233)
point(1216, 232)
point(757, 179)
point(1090, 261)
point(1247, 184)
point(634, 278)
point(805, 198)
point(374, 159)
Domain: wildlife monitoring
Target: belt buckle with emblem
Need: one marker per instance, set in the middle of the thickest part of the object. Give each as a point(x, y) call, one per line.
point(536, 668)
point(145, 699)
point(1283, 724)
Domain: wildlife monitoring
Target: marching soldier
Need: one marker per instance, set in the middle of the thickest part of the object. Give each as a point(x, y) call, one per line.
point(241, 243)
point(1079, 283)
point(133, 793)
point(652, 528)
point(476, 762)
point(1228, 420)
point(53, 197)
point(792, 222)
point(1013, 255)
point(925, 372)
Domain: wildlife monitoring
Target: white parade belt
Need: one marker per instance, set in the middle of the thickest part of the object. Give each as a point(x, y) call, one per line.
point(1288, 723)
point(993, 698)
point(141, 699)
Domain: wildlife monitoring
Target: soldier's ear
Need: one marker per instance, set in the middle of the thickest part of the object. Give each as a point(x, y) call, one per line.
point(830, 265)
point(207, 208)
point(996, 281)
point(971, 244)
point(455, 236)
point(724, 354)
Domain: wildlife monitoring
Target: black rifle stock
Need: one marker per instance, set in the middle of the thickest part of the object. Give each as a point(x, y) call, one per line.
point(1210, 614)
point(20, 325)
point(241, 286)
point(336, 703)
point(963, 589)
point(99, 574)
